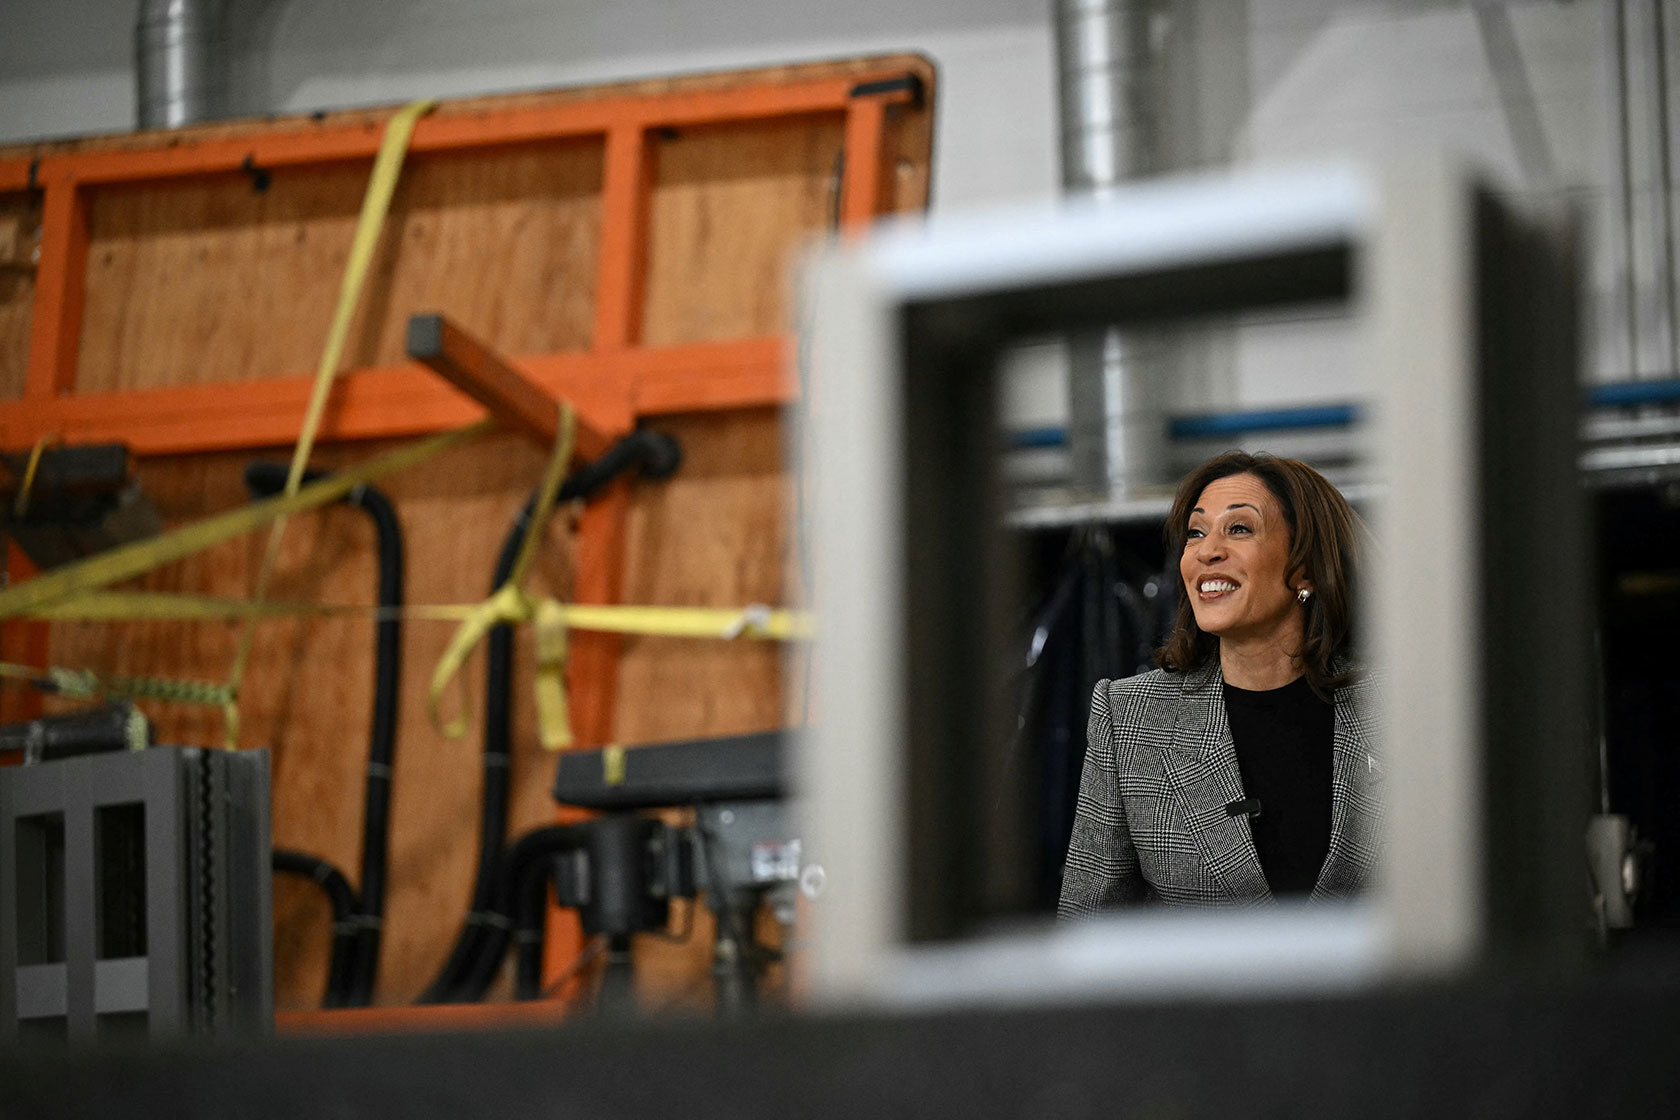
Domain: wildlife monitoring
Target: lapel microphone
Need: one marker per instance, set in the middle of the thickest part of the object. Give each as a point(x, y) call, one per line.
point(1248, 807)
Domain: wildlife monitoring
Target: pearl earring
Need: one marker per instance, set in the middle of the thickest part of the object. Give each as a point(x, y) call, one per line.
point(1303, 595)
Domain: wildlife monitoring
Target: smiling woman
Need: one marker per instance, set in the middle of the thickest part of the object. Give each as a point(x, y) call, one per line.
point(1240, 770)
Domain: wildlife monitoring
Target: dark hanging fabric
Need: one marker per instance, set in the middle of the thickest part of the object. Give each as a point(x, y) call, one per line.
point(1097, 623)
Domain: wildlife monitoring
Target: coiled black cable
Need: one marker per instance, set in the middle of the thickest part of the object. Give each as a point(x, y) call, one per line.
point(481, 943)
point(360, 974)
point(344, 907)
point(521, 905)
point(452, 984)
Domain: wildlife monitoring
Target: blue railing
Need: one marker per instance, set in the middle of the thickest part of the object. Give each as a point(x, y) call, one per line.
point(1213, 425)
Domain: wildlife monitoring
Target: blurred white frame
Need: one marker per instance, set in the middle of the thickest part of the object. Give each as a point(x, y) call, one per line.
point(1466, 313)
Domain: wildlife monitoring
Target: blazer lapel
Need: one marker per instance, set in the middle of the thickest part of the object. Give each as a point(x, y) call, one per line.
point(1356, 796)
point(1201, 764)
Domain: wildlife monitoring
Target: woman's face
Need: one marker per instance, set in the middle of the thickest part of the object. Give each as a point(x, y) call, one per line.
point(1234, 565)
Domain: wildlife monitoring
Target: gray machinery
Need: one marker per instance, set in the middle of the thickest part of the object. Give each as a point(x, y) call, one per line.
point(627, 866)
point(134, 893)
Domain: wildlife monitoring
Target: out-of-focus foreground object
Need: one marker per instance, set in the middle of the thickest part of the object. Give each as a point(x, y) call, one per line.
point(1467, 311)
point(134, 889)
point(63, 503)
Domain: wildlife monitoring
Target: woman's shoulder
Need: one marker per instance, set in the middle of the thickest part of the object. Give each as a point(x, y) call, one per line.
point(1135, 692)
point(1151, 680)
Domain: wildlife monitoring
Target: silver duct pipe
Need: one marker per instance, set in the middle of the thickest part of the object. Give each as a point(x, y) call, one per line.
point(1645, 297)
point(1110, 82)
point(1657, 45)
point(181, 50)
point(1625, 282)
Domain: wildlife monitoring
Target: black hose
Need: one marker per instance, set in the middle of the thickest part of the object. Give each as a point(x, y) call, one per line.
point(520, 908)
point(382, 741)
point(264, 479)
point(344, 907)
point(452, 982)
point(479, 939)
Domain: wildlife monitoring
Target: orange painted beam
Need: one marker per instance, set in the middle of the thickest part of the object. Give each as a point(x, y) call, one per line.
point(592, 683)
point(14, 174)
point(55, 331)
point(186, 156)
point(22, 642)
point(621, 270)
point(608, 390)
point(516, 402)
point(766, 381)
point(862, 180)
point(593, 664)
point(431, 1017)
point(592, 667)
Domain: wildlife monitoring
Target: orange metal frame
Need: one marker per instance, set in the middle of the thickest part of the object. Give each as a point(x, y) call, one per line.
point(611, 385)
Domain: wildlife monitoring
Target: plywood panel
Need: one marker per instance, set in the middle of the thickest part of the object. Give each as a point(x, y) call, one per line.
point(214, 280)
point(714, 535)
point(20, 234)
point(730, 208)
point(211, 281)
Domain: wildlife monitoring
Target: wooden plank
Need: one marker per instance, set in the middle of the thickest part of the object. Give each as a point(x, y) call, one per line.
point(517, 403)
point(396, 401)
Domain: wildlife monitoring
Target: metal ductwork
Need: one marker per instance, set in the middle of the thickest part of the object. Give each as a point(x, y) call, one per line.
point(1644, 316)
point(1110, 80)
point(182, 55)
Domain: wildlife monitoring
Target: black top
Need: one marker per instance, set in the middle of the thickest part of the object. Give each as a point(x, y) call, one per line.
point(1284, 746)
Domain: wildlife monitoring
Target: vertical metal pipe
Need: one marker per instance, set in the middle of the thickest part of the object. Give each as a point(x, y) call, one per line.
point(181, 54)
point(1108, 92)
point(1109, 83)
point(1665, 185)
point(1622, 184)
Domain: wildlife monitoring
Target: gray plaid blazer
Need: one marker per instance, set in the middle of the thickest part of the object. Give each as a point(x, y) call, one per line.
point(1161, 768)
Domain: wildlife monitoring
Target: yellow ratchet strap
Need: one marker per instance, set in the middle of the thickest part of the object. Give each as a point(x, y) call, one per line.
point(375, 204)
point(753, 621)
point(38, 597)
point(509, 604)
point(554, 723)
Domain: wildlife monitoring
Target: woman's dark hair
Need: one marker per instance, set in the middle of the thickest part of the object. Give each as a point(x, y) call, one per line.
point(1324, 546)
